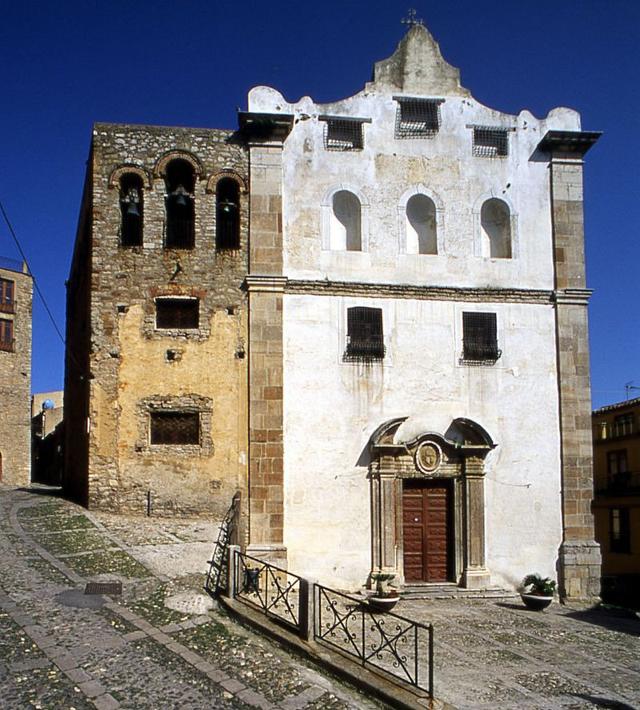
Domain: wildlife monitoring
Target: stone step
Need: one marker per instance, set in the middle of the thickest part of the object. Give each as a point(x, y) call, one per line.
point(452, 591)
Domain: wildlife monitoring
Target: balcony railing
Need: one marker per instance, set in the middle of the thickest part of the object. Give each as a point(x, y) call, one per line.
point(620, 484)
point(8, 307)
point(7, 345)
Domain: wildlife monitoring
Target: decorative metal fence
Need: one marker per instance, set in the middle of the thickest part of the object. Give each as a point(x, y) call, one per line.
point(390, 643)
point(276, 592)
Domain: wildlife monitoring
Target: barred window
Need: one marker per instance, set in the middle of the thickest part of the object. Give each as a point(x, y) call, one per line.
point(480, 337)
point(343, 133)
point(177, 313)
point(6, 335)
point(490, 142)
point(365, 339)
point(417, 118)
point(175, 428)
point(7, 291)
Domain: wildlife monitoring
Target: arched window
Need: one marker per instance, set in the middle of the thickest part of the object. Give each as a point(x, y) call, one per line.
point(179, 203)
point(420, 224)
point(131, 209)
point(345, 231)
point(495, 219)
point(227, 214)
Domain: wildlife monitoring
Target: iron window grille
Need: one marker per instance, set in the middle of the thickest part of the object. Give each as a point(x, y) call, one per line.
point(417, 118)
point(490, 142)
point(6, 335)
point(7, 292)
point(343, 133)
point(175, 428)
point(177, 313)
point(480, 338)
point(365, 338)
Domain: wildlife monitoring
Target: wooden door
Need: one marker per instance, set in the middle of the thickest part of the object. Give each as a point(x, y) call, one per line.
point(426, 522)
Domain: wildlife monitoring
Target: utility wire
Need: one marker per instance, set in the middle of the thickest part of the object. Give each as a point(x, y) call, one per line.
point(35, 282)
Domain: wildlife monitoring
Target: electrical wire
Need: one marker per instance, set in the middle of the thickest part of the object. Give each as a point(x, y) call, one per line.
point(35, 282)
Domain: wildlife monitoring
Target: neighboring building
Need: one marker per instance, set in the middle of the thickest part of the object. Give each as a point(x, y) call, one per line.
point(155, 386)
point(16, 296)
point(616, 439)
point(415, 318)
point(47, 437)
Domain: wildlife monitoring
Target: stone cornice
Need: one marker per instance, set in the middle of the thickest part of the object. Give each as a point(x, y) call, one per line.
point(572, 296)
point(425, 293)
point(259, 282)
point(569, 142)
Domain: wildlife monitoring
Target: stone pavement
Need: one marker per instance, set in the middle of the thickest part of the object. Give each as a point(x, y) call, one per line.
point(161, 645)
point(158, 645)
point(493, 654)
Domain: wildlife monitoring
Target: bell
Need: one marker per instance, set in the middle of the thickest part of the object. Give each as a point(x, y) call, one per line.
point(180, 196)
point(227, 206)
point(132, 210)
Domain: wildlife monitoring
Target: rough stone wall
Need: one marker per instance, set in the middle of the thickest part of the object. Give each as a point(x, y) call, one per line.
point(134, 367)
point(15, 386)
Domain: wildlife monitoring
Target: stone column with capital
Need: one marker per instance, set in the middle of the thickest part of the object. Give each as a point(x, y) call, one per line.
point(579, 556)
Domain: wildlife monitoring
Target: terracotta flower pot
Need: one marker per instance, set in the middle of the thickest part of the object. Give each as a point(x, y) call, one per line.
point(383, 603)
point(535, 602)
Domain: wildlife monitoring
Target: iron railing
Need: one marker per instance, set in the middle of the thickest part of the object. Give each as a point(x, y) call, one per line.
point(218, 574)
point(274, 591)
point(387, 642)
point(623, 483)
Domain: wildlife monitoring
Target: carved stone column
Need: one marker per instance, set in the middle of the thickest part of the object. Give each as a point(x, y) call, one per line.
point(475, 575)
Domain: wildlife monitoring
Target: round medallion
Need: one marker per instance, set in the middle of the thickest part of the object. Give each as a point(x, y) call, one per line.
point(428, 457)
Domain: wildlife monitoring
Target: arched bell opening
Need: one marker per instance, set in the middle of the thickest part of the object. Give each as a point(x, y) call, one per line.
point(427, 503)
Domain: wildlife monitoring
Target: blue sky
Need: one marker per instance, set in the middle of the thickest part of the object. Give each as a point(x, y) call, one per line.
point(68, 64)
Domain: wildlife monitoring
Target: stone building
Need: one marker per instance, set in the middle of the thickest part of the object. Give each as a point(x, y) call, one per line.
point(616, 507)
point(409, 284)
point(155, 385)
point(16, 295)
point(47, 437)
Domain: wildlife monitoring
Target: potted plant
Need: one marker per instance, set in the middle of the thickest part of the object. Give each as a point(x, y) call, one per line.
point(385, 597)
point(537, 591)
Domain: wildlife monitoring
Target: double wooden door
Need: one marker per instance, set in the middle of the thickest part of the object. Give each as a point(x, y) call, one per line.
point(426, 523)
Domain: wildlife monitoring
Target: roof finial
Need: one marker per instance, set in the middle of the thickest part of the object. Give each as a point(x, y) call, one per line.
point(412, 20)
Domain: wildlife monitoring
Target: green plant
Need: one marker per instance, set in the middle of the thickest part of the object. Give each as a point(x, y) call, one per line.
point(382, 580)
point(536, 584)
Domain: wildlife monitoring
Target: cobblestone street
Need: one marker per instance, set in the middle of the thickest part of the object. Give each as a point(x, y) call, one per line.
point(160, 645)
point(60, 648)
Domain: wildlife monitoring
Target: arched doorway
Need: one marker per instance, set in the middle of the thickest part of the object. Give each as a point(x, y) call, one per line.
point(427, 502)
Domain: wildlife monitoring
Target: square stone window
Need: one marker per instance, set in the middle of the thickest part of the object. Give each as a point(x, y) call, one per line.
point(177, 313)
point(480, 338)
point(175, 428)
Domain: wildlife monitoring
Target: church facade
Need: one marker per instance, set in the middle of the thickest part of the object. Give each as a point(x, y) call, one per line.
point(409, 285)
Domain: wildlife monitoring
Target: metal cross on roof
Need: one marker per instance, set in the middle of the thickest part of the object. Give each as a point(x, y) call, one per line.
point(412, 19)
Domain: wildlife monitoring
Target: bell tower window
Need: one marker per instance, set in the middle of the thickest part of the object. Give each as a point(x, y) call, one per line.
point(180, 207)
point(227, 214)
point(131, 209)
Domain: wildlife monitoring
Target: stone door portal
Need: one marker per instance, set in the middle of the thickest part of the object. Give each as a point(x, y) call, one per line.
point(426, 522)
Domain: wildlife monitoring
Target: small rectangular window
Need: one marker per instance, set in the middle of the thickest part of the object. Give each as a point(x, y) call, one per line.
point(6, 335)
point(343, 133)
point(480, 337)
point(365, 339)
point(177, 313)
point(7, 291)
point(620, 537)
point(417, 118)
point(623, 424)
point(490, 142)
point(175, 428)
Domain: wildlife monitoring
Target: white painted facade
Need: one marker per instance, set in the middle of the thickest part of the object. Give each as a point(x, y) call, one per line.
point(332, 407)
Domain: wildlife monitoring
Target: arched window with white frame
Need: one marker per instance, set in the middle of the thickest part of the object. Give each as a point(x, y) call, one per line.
point(345, 229)
point(421, 231)
point(495, 223)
